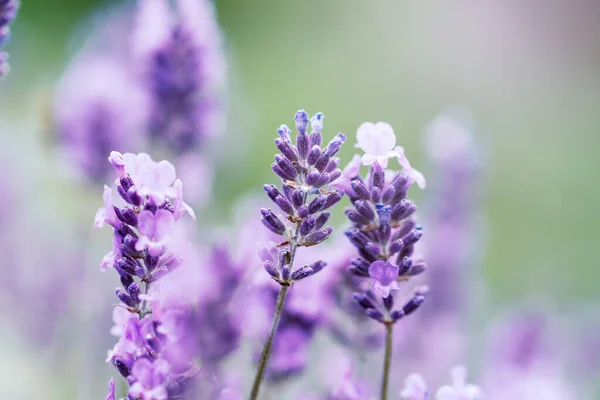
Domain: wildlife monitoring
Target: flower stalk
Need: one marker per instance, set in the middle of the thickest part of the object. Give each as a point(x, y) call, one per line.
point(389, 328)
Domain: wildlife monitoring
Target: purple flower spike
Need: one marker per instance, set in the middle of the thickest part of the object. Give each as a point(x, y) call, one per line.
point(384, 274)
point(8, 12)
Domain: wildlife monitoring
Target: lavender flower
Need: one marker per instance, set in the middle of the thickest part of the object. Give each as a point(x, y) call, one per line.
point(149, 352)
point(93, 112)
point(305, 168)
point(8, 12)
point(182, 64)
point(384, 231)
point(415, 387)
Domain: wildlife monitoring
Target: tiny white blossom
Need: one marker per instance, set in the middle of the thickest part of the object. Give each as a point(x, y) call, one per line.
point(415, 388)
point(377, 141)
point(459, 390)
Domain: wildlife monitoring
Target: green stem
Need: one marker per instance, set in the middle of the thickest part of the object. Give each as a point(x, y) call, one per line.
point(266, 352)
point(387, 361)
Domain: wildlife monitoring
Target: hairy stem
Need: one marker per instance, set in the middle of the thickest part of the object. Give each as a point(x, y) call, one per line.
point(386, 361)
point(266, 352)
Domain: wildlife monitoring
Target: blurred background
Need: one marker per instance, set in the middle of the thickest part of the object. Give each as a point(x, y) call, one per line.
point(526, 73)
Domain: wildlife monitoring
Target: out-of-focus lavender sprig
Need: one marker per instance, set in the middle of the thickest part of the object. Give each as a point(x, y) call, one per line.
point(306, 168)
point(8, 12)
point(383, 230)
point(94, 112)
point(148, 353)
point(180, 57)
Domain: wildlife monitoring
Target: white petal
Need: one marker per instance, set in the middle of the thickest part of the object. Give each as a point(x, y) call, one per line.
point(368, 159)
point(446, 393)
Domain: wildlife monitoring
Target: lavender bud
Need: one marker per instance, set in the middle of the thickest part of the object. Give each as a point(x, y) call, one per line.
point(396, 246)
point(357, 238)
point(383, 212)
point(374, 314)
point(388, 302)
point(286, 149)
point(322, 162)
point(307, 226)
point(332, 164)
point(316, 122)
point(404, 266)
point(372, 249)
point(298, 197)
point(322, 220)
point(286, 273)
point(375, 194)
point(122, 192)
point(405, 228)
point(318, 265)
point(416, 269)
point(271, 269)
point(335, 174)
point(302, 145)
point(317, 204)
point(303, 211)
point(360, 189)
point(355, 217)
point(301, 118)
point(399, 182)
point(288, 190)
point(126, 279)
point(271, 221)
point(127, 265)
point(125, 298)
point(403, 210)
point(286, 166)
point(312, 178)
point(315, 138)
point(364, 209)
point(388, 194)
point(323, 180)
point(332, 199)
point(272, 191)
point(284, 133)
point(126, 215)
point(396, 315)
point(412, 237)
point(360, 266)
point(335, 145)
point(378, 178)
point(134, 197)
point(413, 304)
point(363, 300)
point(134, 292)
point(313, 155)
point(317, 237)
point(122, 368)
point(285, 205)
point(284, 258)
point(281, 173)
point(302, 273)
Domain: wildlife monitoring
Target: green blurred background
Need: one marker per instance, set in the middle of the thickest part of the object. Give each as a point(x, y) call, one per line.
point(528, 73)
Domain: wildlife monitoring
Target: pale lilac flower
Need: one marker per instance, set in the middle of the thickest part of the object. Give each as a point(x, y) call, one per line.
point(155, 228)
point(348, 174)
point(415, 388)
point(230, 394)
point(377, 141)
point(412, 173)
point(152, 179)
point(107, 213)
point(460, 389)
point(150, 379)
point(111, 389)
point(384, 276)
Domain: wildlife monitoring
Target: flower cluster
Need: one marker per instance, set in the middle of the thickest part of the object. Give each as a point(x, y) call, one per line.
point(8, 12)
point(183, 68)
point(148, 353)
point(305, 168)
point(383, 230)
